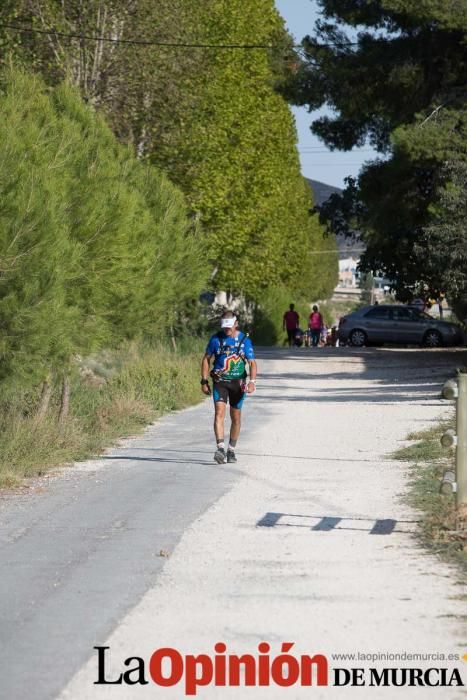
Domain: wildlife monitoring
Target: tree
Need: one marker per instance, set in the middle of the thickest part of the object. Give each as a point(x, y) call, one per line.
point(142, 263)
point(210, 118)
point(237, 160)
point(407, 55)
point(95, 246)
point(399, 85)
point(444, 240)
point(85, 64)
point(38, 259)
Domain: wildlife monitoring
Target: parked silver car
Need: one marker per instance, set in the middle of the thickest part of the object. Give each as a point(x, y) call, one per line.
point(375, 325)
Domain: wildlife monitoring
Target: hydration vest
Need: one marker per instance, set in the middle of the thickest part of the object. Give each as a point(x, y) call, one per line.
point(228, 349)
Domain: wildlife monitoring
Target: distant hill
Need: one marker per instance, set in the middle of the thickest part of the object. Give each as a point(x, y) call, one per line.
point(322, 192)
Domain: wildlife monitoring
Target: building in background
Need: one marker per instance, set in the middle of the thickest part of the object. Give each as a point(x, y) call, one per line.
point(348, 275)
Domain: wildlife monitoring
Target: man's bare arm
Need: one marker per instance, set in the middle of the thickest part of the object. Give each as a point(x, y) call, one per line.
point(205, 388)
point(205, 366)
point(253, 369)
point(251, 386)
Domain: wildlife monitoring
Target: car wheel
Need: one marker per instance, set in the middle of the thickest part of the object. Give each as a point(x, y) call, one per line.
point(432, 339)
point(358, 338)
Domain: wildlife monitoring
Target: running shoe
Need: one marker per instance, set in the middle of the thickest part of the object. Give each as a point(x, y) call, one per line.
point(219, 456)
point(231, 456)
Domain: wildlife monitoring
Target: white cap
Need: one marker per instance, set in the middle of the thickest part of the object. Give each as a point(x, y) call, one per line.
point(228, 322)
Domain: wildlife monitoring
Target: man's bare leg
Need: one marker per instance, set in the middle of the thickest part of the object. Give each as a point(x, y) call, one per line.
point(236, 422)
point(219, 418)
point(236, 419)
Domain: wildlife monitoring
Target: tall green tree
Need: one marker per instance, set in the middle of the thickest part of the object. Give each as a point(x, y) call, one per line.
point(444, 241)
point(38, 259)
point(379, 63)
point(394, 72)
point(211, 118)
point(142, 262)
point(95, 246)
point(237, 158)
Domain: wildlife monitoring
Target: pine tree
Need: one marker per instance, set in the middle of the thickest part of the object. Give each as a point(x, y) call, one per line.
point(95, 246)
point(141, 266)
point(403, 90)
point(38, 259)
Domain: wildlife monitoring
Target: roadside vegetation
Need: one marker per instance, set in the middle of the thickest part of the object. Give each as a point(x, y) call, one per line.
point(97, 251)
point(137, 179)
point(113, 394)
point(428, 461)
point(95, 247)
point(334, 309)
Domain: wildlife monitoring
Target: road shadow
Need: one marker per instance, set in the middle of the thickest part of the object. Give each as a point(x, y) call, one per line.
point(164, 460)
point(396, 375)
point(328, 523)
point(300, 458)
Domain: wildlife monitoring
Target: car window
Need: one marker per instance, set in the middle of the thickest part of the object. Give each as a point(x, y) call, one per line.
point(419, 315)
point(378, 312)
point(402, 314)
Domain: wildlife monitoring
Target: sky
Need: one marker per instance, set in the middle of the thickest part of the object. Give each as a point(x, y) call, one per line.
point(318, 162)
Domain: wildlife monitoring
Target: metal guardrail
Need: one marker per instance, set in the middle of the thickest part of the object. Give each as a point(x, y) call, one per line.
point(456, 390)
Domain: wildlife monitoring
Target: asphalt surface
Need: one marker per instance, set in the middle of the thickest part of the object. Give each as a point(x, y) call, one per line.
point(155, 543)
point(78, 550)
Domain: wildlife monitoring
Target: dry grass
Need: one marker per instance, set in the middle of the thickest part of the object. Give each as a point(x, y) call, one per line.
point(114, 395)
point(440, 529)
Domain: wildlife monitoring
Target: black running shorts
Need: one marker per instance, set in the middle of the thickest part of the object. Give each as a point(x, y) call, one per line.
point(229, 391)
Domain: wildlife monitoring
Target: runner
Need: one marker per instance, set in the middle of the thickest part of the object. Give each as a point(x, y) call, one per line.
point(231, 350)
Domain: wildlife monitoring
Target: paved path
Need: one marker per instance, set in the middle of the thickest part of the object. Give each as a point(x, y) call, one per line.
point(305, 540)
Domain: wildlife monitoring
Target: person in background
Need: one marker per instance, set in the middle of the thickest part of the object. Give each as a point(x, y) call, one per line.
point(324, 335)
point(315, 324)
point(298, 338)
point(290, 323)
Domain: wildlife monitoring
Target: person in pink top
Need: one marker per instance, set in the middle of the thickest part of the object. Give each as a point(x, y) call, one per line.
point(290, 323)
point(315, 324)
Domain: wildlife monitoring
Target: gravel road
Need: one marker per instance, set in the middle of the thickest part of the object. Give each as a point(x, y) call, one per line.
point(306, 540)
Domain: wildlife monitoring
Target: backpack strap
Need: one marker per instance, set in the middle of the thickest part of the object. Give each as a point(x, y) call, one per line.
point(223, 346)
point(237, 348)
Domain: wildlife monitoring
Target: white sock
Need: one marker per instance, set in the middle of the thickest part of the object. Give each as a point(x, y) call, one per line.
point(221, 445)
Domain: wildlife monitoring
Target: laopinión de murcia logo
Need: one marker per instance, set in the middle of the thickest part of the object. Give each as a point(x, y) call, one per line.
point(167, 667)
